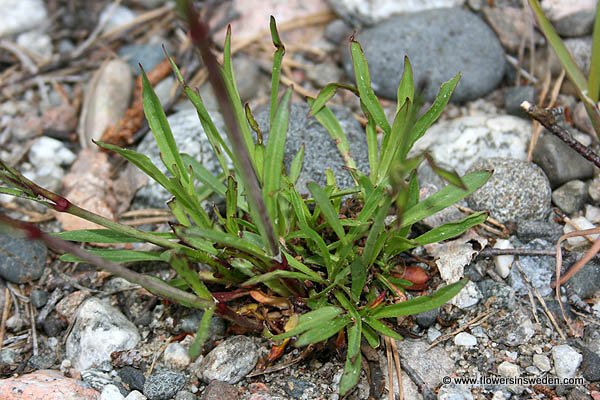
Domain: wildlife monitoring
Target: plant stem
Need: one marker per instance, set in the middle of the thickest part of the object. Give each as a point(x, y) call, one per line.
point(547, 118)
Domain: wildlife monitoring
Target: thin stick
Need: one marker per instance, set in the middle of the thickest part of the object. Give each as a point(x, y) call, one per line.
point(491, 252)
point(388, 355)
point(5, 312)
point(33, 329)
point(547, 118)
point(398, 368)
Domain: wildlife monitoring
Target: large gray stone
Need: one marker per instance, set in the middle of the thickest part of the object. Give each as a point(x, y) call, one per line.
point(517, 190)
point(560, 163)
point(230, 361)
point(163, 385)
point(99, 330)
point(21, 260)
point(439, 43)
point(539, 270)
point(21, 15)
point(459, 142)
point(191, 139)
point(320, 151)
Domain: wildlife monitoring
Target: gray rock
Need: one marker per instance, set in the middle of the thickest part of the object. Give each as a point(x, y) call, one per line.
point(21, 260)
point(36, 43)
point(176, 356)
point(163, 385)
point(99, 330)
point(427, 318)
point(590, 365)
point(21, 15)
point(454, 392)
point(528, 230)
point(217, 390)
point(566, 361)
point(96, 379)
point(132, 377)
point(337, 31)
point(299, 389)
point(432, 365)
point(504, 294)
point(114, 15)
point(149, 55)
point(570, 197)
point(542, 362)
point(111, 392)
point(38, 298)
point(369, 12)
point(514, 329)
point(517, 190)
point(320, 151)
point(190, 323)
point(571, 18)
point(514, 96)
point(560, 163)
point(53, 326)
point(539, 270)
point(439, 43)
point(324, 73)
point(191, 139)
point(581, 119)
point(230, 361)
point(459, 142)
point(586, 282)
point(185, 395)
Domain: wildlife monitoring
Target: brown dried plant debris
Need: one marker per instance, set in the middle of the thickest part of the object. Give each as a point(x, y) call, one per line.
point(123, 132)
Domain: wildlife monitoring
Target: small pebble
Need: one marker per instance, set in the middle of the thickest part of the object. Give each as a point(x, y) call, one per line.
point(508, 369)
point(566, 361)
point(570, 197)
point(111, 392)
point(465, 339)
point(163, 385)
point(114, 16)
point(135, 395)
point(433, 334)
point(581, 223)
point(542, 362)
point(38, 298)
point(503, 263)
point(176, 356)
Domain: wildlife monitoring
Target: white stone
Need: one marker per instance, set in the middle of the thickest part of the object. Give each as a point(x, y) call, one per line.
point(582, 224)
point(176, 356)
point(542, 362)
point(48, 176)
point(21, 15)
point(114, 16)
point(508, 369)
point(592, 213)
point(432, 334)
point(566, 361)
point(503, 263)
point(37, 43)
point(455, 392)
point(459, 142)
point(372, 11)
point(467, 297)
point(49, 151)
point(111, 392)
point(99, 330)
point(135, 395)
point(465, 339)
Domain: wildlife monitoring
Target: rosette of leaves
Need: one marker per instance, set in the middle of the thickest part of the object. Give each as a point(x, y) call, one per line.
point(334, 252)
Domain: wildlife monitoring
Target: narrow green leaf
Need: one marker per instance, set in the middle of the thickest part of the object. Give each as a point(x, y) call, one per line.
point(354, 336)
point(157, 120)
point(297, 265)
point(449, 176)
point(205, 176)
point(274, 154)
point(369, 254)
point(373, 149)
point(351, 374)
point(406, 88)
point(277, 274)
point(181, 265)
point(326, 94)
point(359, 276)
point(382, 328)
point(370, 336)
point(329, 121)
point(296, 165)
point(422, 303)
point(323, 332)
point(363, 84)
point(445, 197)
point(276, 70)
point(104, 236)
point(331, 216)
point(117, 255)
point(451, 229)
point(432, 114)
point(310, 320)
point(231, 206)
point(202, 333)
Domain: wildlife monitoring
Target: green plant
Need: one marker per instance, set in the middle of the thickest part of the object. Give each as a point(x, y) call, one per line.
point(588, 90)
point(334, 252)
